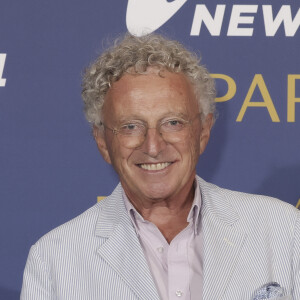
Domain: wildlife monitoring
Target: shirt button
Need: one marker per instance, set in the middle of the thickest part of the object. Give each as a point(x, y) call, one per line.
point(160, 249)
point(179, 293)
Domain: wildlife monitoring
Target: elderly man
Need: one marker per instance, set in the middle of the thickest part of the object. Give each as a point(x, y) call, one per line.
point(164, 233)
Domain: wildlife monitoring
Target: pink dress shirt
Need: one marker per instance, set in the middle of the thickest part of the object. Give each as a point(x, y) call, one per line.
point(176, 267)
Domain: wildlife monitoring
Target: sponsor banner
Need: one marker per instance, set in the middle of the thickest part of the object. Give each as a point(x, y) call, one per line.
point(145, 16)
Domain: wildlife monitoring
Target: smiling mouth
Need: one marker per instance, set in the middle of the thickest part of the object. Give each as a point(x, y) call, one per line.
point(154, 167)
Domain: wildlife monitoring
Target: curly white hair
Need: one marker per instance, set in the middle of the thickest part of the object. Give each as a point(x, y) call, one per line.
point(136, 54)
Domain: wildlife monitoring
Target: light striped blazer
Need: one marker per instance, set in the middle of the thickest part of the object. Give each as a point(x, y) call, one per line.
point(249, 241)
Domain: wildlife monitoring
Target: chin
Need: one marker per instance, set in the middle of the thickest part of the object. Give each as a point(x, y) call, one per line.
point(158, 191)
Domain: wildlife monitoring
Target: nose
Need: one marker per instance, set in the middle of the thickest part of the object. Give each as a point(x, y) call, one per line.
point(153, 143)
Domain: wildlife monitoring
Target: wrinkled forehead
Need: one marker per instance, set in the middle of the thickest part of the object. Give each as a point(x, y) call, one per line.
point(152, 73)
point(156, 90)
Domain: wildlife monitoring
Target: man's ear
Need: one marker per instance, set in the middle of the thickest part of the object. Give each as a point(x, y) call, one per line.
point(99, 137)
point(207, 124)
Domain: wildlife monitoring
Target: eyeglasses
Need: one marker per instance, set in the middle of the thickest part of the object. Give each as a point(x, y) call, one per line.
point(132, 134)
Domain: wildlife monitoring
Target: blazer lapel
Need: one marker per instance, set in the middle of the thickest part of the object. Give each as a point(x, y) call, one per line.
point(122, 249)
point(222, 242)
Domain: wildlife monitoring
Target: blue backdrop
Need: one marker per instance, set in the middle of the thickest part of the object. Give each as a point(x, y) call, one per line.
point(50, 169)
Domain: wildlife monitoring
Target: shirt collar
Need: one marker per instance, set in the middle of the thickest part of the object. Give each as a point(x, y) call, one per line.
point(193, 216)
point(132, 212)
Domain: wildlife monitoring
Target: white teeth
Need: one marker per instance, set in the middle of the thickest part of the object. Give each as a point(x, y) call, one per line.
point(155, 167)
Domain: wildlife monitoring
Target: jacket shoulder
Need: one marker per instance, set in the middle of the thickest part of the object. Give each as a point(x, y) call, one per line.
point(251, 209)
point(75, 231)
point(259, 204)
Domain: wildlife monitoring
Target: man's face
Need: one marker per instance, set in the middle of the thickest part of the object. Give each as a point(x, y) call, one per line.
point(157, 168)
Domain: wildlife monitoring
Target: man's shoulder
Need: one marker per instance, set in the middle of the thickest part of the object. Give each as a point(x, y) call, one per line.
point(84, 225)
point(80, 236)
point(251, 207)
point(80, 226)
point(259, 203)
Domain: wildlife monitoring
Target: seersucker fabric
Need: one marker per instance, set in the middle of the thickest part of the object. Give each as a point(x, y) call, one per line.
point(248, 241)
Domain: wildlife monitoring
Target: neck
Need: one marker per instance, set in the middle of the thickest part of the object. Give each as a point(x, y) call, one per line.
point(169, 215)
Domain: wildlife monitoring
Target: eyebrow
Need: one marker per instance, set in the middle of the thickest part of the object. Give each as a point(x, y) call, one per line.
point(137, 118)
point(175, 114)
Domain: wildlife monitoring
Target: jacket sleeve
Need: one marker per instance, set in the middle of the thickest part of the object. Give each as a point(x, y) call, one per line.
point(37, 283)
point(296, 261)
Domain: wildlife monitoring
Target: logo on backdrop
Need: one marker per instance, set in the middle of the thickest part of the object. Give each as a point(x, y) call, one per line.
point(266, 102)
point(2, 64)
point(146, 16)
